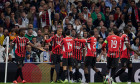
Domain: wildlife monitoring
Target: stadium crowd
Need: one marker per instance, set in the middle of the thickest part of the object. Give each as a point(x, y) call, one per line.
point(44, 17)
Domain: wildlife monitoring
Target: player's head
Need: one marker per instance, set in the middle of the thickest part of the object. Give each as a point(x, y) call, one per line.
point(59, 31)
point(67, 32)
point(126, 29)
point(115, 31)
point(91, 33)
point(22, 32)
point(110, 32)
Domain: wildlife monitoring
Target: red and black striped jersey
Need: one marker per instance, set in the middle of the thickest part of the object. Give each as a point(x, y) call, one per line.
point(55, 41)
point(20, 45)
point(77, 50)
point(91, 45)
point(67, 44)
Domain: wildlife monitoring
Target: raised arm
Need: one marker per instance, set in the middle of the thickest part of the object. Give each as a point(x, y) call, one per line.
point(128, 46)
point(36, 47)
point(48, 40)
point(58, 46)
point(81, 40)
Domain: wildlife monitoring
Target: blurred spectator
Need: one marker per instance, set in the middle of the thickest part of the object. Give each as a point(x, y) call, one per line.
point(136, 43)
point(34, 18)
point(2, 18)
point(39, 37)
point(77, 25)
point(13, 19)
point(45, 56)
point(103, 32)
point(2, 49)
point(45, 15)
point(24, 20)
point(89, 25)
point(102, 57)
point(135, 58)
point(30, 55)
point(63, 12)
point(6, 33)
point(1, 36)
point(29, 34)
point(12, 34)
point(99, 45)
point(7, 24)
point(134, 13)
point(86, 13)
point(97, 12)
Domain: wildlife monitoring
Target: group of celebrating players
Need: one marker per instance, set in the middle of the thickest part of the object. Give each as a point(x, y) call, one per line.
point(71, 50)
point(68, 52)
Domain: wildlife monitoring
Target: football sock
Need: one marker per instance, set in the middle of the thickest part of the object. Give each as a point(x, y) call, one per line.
point(87, 78)
point(113, 70)
point(17, 74)
point(20, 73)
point(129, 74)
point(71, 75)
point(65, 74)
point(77, 73)
point(60, 72)
point(100, 74)
point(118, 73)
point(51, 73)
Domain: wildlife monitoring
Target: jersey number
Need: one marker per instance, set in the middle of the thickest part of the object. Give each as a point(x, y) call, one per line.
point(113, 44)
point(94, 45)
point(69, 45)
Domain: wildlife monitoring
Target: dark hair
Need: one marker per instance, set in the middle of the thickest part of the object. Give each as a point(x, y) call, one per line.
point(125, 28)
point(116, 32)
point(118, 7)
point(110, 30)
point(132, 1)
point(20, 30)
point(67, 32)
point(107, 7)
point(91, 32)
point(70, 14)
point(135, 40)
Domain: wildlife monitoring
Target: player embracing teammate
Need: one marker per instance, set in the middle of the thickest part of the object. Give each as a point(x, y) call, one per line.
point(115, 45)
point(126, 60)
point(56, 56)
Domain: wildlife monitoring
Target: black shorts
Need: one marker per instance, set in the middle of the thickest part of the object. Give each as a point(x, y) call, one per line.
point(90, 61)
point(19, 60)
point(76, 62)
point(55, 59)
point(125, 62)
point(68, 61)
point(112, 62)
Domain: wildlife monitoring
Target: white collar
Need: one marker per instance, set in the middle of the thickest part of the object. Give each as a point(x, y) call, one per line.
point(57, 35)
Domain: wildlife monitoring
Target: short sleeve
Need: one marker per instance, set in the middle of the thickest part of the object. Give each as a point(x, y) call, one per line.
point(125, 39)
point(14, 41)
point(88, 40)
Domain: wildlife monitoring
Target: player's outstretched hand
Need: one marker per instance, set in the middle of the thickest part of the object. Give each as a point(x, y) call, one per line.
point(42, 49)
